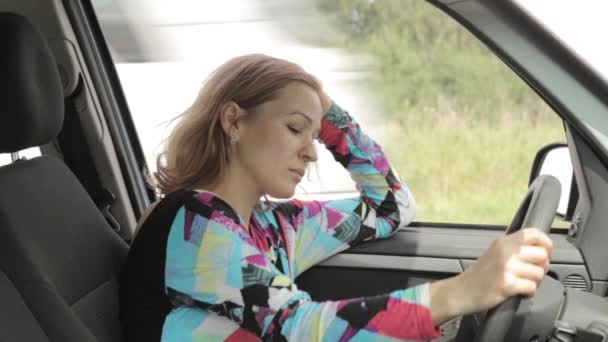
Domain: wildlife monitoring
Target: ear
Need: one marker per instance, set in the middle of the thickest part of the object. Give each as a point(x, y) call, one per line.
point(229, 117)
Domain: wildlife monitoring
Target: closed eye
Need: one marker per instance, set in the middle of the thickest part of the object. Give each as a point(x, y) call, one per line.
point(294, 130)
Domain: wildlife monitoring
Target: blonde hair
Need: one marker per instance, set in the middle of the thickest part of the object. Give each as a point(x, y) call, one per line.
point(196, 151)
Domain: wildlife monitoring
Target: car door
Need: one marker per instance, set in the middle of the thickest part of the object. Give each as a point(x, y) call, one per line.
point(468, 171)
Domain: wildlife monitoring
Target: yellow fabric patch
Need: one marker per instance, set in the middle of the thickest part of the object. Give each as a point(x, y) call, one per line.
point(281, 280)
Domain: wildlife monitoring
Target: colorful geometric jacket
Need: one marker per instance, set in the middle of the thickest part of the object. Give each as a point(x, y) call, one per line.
point(228, 285)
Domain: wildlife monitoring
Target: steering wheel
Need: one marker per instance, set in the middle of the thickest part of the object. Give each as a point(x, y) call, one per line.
point(536, 210)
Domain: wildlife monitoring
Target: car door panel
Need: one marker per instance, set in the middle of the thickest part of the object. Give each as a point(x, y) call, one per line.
point(420, 254)
point(463, 243)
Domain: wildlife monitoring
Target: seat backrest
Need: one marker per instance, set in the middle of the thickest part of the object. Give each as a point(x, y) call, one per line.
point(18, 323)
point(55, 245)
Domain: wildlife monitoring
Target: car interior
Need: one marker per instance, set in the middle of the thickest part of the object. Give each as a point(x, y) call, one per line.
point(67, 217)
point(63, 282)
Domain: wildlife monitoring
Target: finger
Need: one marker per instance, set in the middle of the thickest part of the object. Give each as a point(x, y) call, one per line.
point(326, 101)
point(535, 237)
point(534, 255)
point(527, 271)
point(520, 286)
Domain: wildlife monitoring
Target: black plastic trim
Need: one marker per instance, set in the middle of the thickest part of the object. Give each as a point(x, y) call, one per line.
point(470, 226)
point(454, 243)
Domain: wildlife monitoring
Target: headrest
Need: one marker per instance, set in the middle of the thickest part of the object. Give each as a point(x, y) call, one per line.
point(31, 94)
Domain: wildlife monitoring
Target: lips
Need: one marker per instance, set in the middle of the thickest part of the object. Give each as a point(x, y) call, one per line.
point(299, 172)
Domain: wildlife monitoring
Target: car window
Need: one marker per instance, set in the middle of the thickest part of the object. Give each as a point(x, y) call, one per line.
point(457, 124)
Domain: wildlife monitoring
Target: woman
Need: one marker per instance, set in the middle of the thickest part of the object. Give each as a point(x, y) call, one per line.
point(213, 263)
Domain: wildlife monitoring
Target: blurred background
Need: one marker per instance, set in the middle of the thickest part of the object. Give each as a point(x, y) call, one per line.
point(459, 126)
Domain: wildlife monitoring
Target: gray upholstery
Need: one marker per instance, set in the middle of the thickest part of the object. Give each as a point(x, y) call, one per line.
point(18, 323)
point(56, 248)
point(30, 87)
point(59, 251)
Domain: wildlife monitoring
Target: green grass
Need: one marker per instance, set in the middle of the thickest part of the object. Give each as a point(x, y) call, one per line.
point(474, 172)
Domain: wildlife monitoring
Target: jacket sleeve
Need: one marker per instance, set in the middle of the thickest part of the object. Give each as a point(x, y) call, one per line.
point(385, 204)
point(219, 270)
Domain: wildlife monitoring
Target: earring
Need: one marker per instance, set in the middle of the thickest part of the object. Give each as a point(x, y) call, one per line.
point(233, 139)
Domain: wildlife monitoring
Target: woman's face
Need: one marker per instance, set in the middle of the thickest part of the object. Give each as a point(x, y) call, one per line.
point(276, 145)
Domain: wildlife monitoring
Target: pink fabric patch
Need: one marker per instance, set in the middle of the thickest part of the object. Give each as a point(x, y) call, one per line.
point(381, 164)
point(258, 260)
point(205, 197)
point(313, 208)
point(404, 320)
point(342, 147)
point(334, 218)
point(261, 315)
point(259, 239)
point(356, 160)
point(348, 334)
point(188, 225)
point(328, 131)
point(242, 335)
point(226, 221)
point(333, 136)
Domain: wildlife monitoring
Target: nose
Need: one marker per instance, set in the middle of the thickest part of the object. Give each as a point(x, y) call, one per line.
point(309, 152)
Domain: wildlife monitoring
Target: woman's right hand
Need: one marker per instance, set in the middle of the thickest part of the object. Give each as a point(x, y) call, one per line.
point(513, 265)
point(326, 102)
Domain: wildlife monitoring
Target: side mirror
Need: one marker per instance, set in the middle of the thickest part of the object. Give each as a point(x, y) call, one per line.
point(554, 159)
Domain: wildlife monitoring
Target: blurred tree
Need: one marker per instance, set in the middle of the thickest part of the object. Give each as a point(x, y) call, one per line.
point(424, 58)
